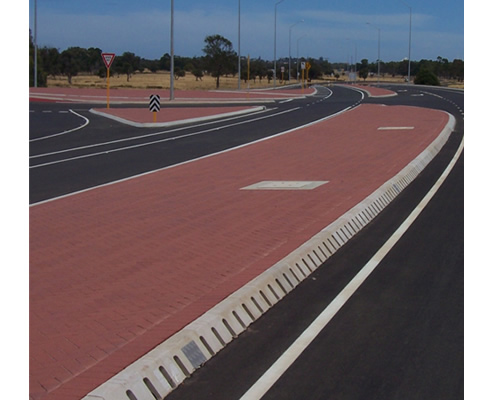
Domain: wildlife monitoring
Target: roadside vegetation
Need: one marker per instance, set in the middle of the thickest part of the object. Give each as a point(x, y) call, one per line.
point(76, 66)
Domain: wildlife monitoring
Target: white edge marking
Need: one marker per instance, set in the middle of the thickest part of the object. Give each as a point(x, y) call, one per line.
point(268, 379)
point(65, 132)
point(179, 122)
point(196, 159)
point(163, 357)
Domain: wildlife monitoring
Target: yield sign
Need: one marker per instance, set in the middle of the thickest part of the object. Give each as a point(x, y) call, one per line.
point(108, 59)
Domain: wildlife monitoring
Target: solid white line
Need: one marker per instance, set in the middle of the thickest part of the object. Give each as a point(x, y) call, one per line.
point(141, 136)
point(269, 378)
point(141, 144)
point(199, 158)
point(64, 132)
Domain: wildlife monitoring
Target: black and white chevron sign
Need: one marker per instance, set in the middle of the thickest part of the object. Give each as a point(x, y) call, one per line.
point(155, 102)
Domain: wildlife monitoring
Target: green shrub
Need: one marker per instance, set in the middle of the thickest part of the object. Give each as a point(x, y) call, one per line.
point(426, 77)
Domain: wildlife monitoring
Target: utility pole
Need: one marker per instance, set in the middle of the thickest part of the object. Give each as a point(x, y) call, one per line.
point(275, 47)
point(35, 43)
point(239, 47)
point(409, 41)
point(171, 89)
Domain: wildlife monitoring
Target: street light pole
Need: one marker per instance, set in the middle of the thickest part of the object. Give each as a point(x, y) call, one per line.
point(297, 63)
point(409, 40)
point(355, 58)
point(239, 47)
point(171, 90)
point(290, 34)
point(35, 43)
point(275, 46)
point(379, 48)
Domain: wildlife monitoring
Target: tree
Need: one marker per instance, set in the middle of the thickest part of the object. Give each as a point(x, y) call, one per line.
point(179, 73)
point(165, 62)
point(220, 57)
point(94, 60)
point(50, 59)
point(198, 73)
point(72, 61)
point(41, 74)
point(364, 69)
point(426, 77)
point(457, 70)
point(127, 64)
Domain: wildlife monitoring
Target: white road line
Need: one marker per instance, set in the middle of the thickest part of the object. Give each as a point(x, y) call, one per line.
point(140, 136)
point(268, 379)
point(142, 144)
point(198, 158)
point(65, 132)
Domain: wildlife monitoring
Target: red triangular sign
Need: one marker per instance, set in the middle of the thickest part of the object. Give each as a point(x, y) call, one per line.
point(108, 59)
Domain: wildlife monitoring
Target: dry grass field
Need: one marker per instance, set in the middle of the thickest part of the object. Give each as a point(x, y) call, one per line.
point(158, 80)
point(161, 80)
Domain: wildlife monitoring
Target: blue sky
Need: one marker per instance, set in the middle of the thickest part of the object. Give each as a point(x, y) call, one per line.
point(333, 29)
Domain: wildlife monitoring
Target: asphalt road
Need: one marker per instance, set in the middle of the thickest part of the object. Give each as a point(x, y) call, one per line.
point(105, 151)
point(400, 336)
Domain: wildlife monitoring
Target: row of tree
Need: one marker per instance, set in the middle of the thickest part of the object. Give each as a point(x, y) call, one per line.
point(219, 59)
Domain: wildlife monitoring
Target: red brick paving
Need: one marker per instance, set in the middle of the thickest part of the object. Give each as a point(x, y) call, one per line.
point(116, 270)
point(375, 91)
point(142, 95)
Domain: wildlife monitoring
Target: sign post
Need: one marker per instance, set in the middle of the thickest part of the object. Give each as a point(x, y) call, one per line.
point(248, 74)
point(308, 67)
point(155, 104)
point(303, 68)
point(108, 59)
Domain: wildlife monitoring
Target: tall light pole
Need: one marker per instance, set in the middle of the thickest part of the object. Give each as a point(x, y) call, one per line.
point(239, 47)
point(275, 46)
point(409, 40)
point(298, 56)
point(171, 89)
point(290, 34)
point(379, 48)
point(355, 59)
point(35, 43)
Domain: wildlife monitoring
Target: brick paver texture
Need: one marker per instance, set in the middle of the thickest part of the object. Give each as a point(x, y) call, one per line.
point(116, 270)
point(142, 95)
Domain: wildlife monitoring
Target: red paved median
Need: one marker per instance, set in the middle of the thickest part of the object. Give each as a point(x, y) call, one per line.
point(116, 270)
point(143, 117)
point(119, 96)
point(375, 91)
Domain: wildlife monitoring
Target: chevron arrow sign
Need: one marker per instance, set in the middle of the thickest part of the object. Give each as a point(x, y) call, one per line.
point(155, 102)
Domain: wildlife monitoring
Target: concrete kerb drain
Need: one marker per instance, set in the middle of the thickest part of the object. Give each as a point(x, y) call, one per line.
point(179, 122)
point(161, 370)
